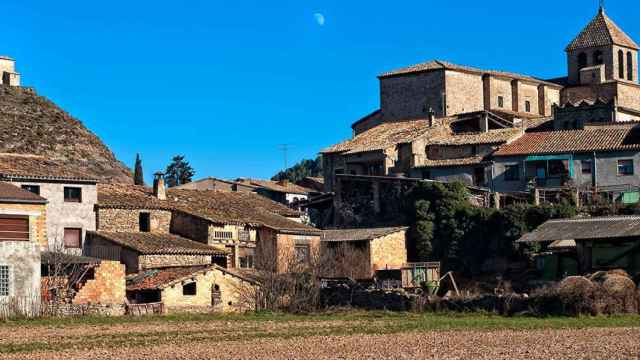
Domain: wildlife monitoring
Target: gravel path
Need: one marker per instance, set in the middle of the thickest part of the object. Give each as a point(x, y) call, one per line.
point(603, 343)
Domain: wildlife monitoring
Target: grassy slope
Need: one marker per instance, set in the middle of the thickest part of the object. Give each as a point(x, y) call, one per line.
point(342, 324)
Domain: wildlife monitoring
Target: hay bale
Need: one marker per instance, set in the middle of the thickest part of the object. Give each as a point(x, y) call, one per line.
point(619, 295)
point(578, 295)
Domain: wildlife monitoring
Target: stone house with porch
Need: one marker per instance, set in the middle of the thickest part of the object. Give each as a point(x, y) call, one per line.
point(70, 192)
point(22, 235)
point(597, 157)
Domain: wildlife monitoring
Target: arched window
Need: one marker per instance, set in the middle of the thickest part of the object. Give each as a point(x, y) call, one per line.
point(629, 66)
point(597, 58)
point(620, 64)
point(582, 61)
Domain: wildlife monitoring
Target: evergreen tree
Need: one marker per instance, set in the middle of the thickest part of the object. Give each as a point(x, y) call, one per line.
point(138, 177)
point(178, 172)
point(301, 170)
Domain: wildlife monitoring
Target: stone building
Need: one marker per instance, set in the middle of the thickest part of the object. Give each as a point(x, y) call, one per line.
point(8, 71)
point(70, 192)
point(283, 191)
point(442, 121)
point(360, 253)
point(194, 289)
point(22, 234)
point(212, 183)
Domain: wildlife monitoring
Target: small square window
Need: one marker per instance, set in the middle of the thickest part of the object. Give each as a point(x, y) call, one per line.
point(72, 194)
point(189, 289)
point(72, 238)
point(32, 188)
point(500, 101)
point(625, 167)
point(586, 166)
point(246, 262)
point(4, 280)
point(512, 173)
point(302, 254)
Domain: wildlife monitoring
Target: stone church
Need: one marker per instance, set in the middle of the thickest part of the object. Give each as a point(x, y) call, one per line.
point(443, 121)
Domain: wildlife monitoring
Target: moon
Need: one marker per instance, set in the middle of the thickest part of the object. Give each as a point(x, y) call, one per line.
point(319, 18)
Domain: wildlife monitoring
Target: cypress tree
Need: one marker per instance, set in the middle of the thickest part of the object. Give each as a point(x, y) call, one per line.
point(138, 177)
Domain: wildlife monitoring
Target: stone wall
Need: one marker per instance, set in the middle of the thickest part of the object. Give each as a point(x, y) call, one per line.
point(128, 220)
point(629, 95)
point(498, 87)
point(389, 252)
point(236, 295)
point(159, 261)
point(107, 287)
point(410, 96)
point(464, 92)
point(190, 227)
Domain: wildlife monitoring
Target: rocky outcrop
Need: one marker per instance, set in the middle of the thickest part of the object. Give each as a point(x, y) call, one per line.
point(32, 124)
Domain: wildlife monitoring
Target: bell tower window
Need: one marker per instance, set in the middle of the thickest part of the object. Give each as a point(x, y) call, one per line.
point(629, 66)
point(620, 64)
point(597, 58)
point(582, 61)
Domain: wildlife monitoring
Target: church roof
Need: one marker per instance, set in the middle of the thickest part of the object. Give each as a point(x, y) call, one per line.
point(601, 31)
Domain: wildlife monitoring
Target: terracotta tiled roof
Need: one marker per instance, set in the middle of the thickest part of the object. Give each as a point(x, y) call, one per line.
point(601, 31)
point(127, 196)
point(471, 160)
point(12, 193)
point(155, 279)
point(389, 134)
point(497, 136)
point(585, 228)
point(444, 65)
point(359, 234)
point(277, 186)
point(148, 243)
point(618, 138)
point(40, 168)
point(236, 207)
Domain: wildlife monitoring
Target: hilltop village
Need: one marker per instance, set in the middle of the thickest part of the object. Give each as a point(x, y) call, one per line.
point(78, 237)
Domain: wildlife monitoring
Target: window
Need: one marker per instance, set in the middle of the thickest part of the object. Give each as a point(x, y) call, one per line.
point(582, 61)
point(629, 66)
point(500, 101)
point(597, 58)
point(527, 106)
point(14, 228)
point(72, 194)
point(4, 280)
point(189, 289)
point(512, 172)
point(474, 150)
point(586, 166)
point(621, 64)
point(302, 253)
point(223, 235)
point(625, 167)
point(72, 238)
point(246, 262)
point(244, 235)
point(32, 188)
point(144, 222)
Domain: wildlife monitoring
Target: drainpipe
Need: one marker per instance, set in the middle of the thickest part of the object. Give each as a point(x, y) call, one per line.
point(594, 173)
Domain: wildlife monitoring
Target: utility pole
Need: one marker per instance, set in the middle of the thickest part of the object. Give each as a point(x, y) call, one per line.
point(285, 149)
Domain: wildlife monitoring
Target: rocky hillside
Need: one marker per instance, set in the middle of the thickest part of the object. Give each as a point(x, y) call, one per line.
point(32, 124)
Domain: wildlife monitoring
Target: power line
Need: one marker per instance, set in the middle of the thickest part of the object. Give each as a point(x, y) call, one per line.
point(285, 149)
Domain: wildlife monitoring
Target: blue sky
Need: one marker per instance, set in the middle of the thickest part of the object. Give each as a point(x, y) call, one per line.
point(226, 82)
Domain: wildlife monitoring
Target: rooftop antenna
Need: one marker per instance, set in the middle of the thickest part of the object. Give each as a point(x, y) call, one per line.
point(285, 149)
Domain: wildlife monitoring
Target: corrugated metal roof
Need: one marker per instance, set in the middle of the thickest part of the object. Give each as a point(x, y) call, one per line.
point(585, 229)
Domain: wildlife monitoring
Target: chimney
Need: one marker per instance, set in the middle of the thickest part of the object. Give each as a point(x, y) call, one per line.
point(431, 117)
point(158, 186)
